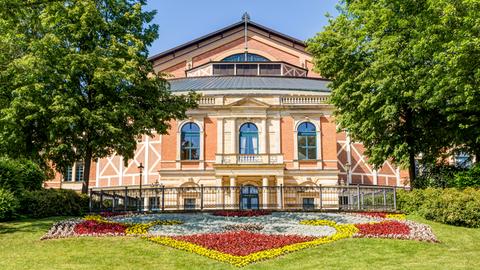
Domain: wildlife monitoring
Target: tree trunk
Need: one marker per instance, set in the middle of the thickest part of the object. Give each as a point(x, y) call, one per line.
point(477, 158)
point(86, 172)
point(410, 140)
point(411, 168)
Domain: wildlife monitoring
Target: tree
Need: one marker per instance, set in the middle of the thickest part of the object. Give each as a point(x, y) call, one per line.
point(85, 84)
point(380, 56)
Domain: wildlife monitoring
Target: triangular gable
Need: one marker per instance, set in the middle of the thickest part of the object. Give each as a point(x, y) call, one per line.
point(249, 102)
point(219, 34)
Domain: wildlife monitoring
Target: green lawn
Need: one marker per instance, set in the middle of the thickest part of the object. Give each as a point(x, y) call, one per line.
point(20, 248)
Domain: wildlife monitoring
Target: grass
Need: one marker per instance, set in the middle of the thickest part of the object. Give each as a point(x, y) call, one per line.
point(20, 248)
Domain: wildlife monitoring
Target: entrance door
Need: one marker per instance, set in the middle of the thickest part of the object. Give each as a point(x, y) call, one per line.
point(249, 198)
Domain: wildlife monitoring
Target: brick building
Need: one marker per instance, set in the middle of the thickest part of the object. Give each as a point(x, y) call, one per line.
point(263, 120)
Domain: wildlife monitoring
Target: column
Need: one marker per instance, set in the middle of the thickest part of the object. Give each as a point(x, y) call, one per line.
point(220, 201)
point(263, 139)
point(146, 203)
point(280, 195)
point(233, 184)
point(265, 192)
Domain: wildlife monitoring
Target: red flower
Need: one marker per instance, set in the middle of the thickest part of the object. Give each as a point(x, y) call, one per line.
point(383, 228)
point(241, 243)
point(239, 213)
point(95, 227)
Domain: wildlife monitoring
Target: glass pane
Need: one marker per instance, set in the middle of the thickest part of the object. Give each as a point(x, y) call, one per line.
point(312, 153)
point(243, 144)
point(194, 141)
point(248, 127)
point(247, 69)
point(270, 69)
point(240, 57)
point(185, 154)
point(68, 174)
point(311, 140)
point(79, 171)
point(254, 145)
point(302, 140)
point(194, 154)
point(190, 127)
point(223, 69)
point(302, 153)
point(306, 127)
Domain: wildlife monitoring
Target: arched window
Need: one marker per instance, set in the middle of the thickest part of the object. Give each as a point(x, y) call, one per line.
point(307, 141)
point(190, 142)
point(248, 139)
point(240, 57)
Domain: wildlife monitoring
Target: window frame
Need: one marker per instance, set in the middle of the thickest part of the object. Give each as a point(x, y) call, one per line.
point(191, 135)
point(309, 136)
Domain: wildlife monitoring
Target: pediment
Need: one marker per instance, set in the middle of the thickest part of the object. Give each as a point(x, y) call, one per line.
point(248, 103)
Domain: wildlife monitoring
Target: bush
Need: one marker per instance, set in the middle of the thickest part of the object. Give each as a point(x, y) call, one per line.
point(450, 206)
point(468, 178)
point(19, 175)
point(8, 204)
point(52, 202)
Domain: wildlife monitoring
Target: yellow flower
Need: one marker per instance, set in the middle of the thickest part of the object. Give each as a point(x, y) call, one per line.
point(396, 216)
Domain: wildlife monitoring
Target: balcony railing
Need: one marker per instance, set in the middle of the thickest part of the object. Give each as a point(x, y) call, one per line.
point(249, 159)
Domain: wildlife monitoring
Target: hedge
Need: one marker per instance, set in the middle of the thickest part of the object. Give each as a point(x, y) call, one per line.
point(52, 202)
point(449, 206)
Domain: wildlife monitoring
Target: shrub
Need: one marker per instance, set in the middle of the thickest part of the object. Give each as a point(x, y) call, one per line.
point(18, 175)
point(51, 202)
point(468, 178)
point(450, 206)
point(8, 204)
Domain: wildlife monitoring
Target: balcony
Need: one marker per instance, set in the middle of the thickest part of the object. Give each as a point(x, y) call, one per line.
point(260, 159)
point(281, 69)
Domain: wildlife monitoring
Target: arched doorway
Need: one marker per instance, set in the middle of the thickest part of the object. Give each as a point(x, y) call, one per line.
point(249, 198)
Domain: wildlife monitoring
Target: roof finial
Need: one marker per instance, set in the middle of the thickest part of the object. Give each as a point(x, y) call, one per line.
point(246, 17)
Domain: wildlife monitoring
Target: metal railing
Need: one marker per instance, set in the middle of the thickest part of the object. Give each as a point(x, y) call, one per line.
point(307, 198)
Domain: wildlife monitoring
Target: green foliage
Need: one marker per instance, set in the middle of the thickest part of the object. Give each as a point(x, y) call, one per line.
point(8, 204)
point(405, 75)
point(468, 178)
point(52, 202)
point(19, 175)
point(80, 85)
point(449, 206)
point(438, 175)
point(448, 176)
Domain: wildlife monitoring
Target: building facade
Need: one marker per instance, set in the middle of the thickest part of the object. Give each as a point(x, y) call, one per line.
point(263, 120)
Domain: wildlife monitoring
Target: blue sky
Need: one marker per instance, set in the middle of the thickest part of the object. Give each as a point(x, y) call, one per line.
point(183, 20)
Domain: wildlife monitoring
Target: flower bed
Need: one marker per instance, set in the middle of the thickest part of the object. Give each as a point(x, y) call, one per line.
point(250, 213)
point(244, 238)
